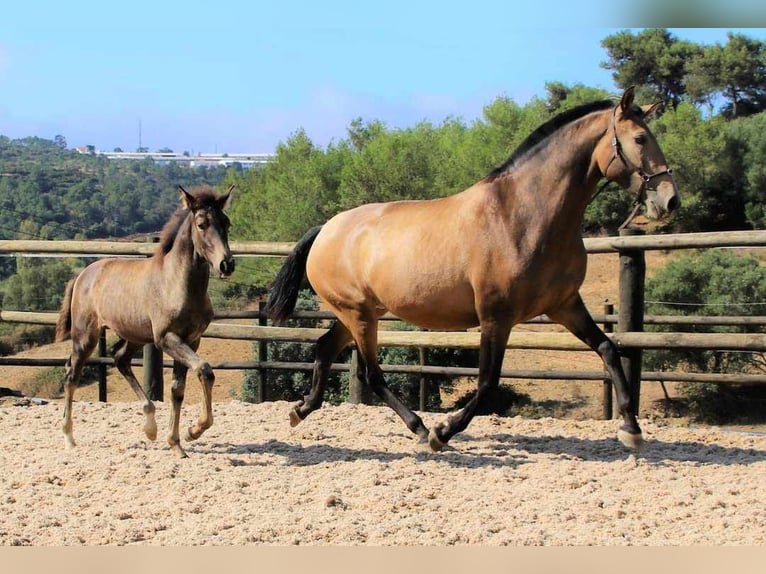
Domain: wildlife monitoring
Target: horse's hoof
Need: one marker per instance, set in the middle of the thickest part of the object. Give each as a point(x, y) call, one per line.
point(191, 435)
point(633, 441)
point(151, 433)
point(434, 441)
point(68, 442)
point(295, 418)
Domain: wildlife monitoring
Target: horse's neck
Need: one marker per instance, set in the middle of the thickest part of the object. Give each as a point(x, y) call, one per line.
point(184, 274)
point(559, 181)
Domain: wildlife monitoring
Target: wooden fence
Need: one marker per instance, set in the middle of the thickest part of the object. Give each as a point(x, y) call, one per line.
point(627, 324)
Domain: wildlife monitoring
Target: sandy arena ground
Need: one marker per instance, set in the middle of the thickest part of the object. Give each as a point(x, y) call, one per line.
point(352, 475)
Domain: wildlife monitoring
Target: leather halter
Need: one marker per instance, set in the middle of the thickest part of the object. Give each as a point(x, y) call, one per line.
point(645, 177)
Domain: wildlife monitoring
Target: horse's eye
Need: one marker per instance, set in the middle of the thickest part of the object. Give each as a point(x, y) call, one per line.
point(640, 139)
point(202, 225)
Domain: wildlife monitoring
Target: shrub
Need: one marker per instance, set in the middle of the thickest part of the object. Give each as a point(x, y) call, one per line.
point(716, 282)
point(293, 385)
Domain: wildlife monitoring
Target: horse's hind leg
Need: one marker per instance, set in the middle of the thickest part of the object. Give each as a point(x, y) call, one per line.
point(123, 351)
point(328, 348)
point(577, 319)
point(81, 350)
point(365, 334)
point(494, 337)
point(177, 394)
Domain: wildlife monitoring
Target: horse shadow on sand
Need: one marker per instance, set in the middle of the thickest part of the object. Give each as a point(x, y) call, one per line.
point(495, 450)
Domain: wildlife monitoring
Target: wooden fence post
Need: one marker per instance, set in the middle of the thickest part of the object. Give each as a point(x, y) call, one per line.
point(102, 367)
point(631, 312)
point(154, 386)
point(153, 382)
point(358, 389)
point(263, 356)
point(607, 403)
point(423, 380)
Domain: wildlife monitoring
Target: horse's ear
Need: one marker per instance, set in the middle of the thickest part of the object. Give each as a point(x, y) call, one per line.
point(627, 99)
point(187, 199)
point(650, 109)
point(224, 202)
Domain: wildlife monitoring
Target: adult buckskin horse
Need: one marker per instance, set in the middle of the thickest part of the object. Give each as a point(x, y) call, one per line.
point(161, 300)
point(505, 250)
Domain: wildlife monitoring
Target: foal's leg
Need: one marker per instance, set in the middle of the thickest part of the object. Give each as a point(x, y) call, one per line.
point(494, 337)
point(365, 333)
point(575, 317)
point(82, 346)
point(174, 346)
point(328, 348)
point(177, 392)
point(123, 351)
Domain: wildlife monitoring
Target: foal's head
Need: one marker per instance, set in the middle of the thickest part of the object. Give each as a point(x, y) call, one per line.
point(634, 159)
point(210, 228)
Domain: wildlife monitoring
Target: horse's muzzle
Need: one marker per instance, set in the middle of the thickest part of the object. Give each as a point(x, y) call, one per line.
point(226, 267)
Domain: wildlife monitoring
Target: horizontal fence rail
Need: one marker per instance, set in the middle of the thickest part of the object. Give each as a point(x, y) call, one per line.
point(671, 241)
point(463, 339)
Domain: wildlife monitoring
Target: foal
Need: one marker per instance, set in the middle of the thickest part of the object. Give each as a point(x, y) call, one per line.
point(161, 300)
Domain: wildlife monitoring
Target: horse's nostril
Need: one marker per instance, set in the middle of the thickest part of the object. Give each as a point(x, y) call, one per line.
point(673, 203)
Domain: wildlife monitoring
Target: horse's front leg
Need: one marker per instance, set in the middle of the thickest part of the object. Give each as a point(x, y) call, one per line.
point(575, 317)
point(185, 353)
point(494, 337)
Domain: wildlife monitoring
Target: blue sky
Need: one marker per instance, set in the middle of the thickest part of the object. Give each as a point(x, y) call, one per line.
point(243, 76)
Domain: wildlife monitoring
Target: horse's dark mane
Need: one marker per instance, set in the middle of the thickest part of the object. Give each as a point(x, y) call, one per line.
point(203, 197)
point(545, 131)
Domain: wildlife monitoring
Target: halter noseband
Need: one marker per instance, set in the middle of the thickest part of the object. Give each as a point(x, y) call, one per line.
point(645, 177)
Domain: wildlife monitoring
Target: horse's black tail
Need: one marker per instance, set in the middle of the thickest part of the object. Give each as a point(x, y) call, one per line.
point(287, 283)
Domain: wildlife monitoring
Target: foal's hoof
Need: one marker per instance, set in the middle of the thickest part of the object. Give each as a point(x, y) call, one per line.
point(191, 434)
point(633, 441)
point(434, 441)
point(151, 433)
point(178, 451)
point(295, 418)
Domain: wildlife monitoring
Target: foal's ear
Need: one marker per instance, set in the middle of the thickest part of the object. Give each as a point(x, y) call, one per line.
point(650, 109)
point(187, 199)
point(224, 202)
point(627, 99)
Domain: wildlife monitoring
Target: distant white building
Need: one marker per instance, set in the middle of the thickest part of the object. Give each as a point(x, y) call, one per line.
point(246, 160)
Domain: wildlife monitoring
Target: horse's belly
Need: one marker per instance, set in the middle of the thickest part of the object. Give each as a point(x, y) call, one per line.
point(431, 307)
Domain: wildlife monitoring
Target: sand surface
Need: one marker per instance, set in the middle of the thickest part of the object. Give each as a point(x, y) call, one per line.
point(352, 475)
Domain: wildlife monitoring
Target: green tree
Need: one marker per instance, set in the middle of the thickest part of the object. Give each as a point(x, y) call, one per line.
point(708, 175)
point(652, 59)
point(735, 71)
point(748, 143)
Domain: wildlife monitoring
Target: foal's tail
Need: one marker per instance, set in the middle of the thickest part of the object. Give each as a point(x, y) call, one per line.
point(64, 323)
point(287, 283)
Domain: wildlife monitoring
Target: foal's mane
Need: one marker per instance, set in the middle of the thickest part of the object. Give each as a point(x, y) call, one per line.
point(546, 130)
point(203, 197)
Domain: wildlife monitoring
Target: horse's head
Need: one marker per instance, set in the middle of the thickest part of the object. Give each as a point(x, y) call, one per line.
point(634, 160)
point(210, 229)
